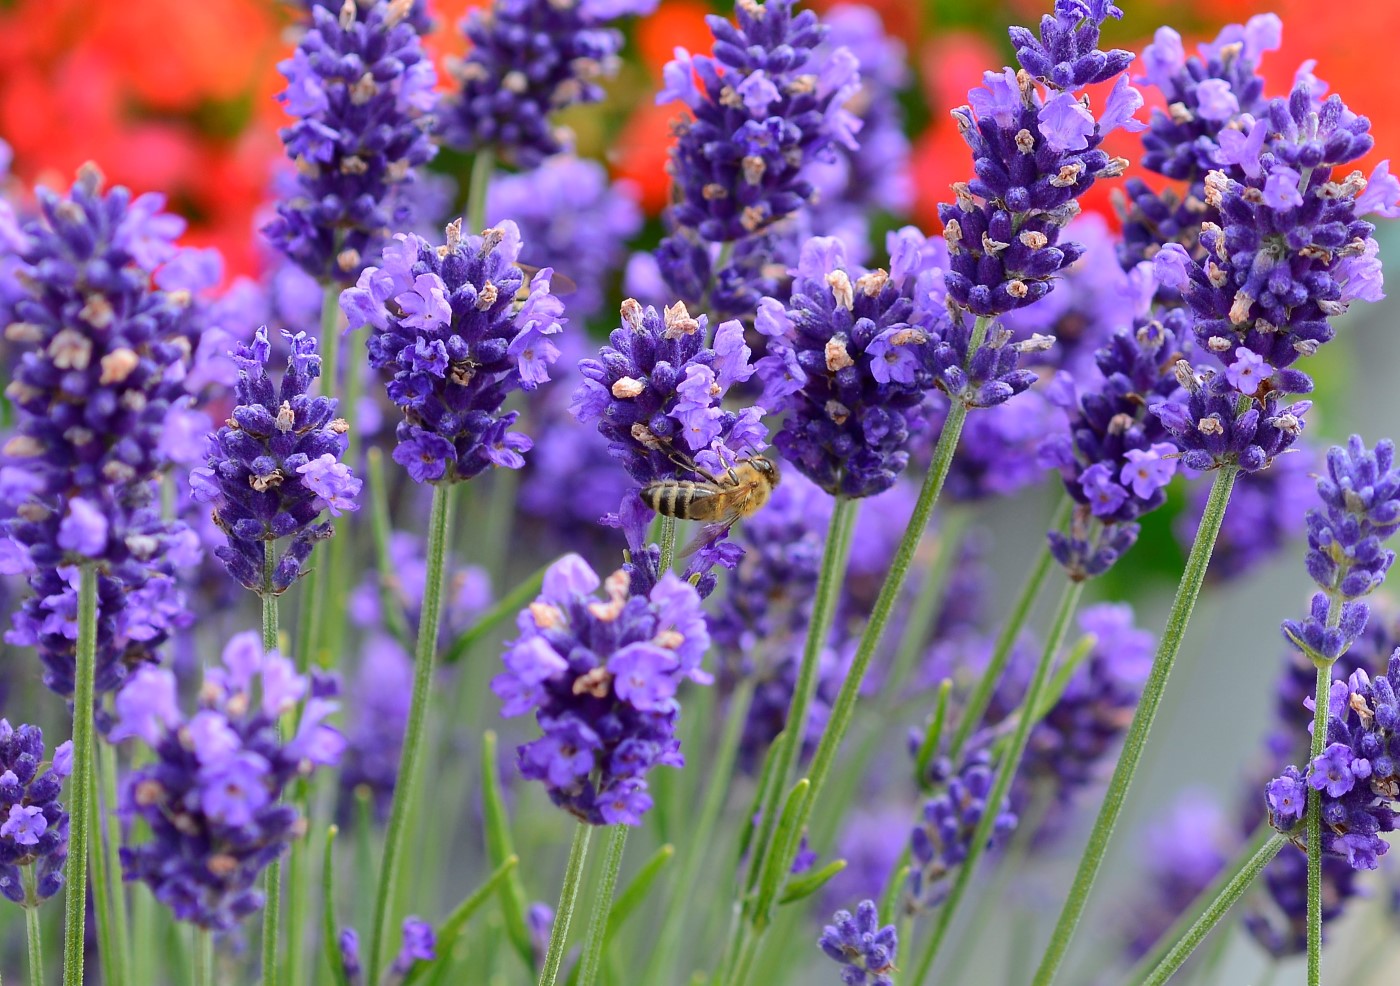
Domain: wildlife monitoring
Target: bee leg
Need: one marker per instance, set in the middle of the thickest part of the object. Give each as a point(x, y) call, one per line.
point(690, 465)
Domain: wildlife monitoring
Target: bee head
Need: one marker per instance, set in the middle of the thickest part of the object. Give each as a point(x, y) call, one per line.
point(766, 468)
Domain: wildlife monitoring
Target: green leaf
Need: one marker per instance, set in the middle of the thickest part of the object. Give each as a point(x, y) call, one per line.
point(809, 883)
point(890, 900)
point(330, 934)
point(505, 609)
point(632, 895)
point(933, 736)
point(453, 924)
point(499, 848)
point(761, 799)
point(780, 856)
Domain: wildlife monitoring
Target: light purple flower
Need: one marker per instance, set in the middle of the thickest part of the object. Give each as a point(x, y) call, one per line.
point(1148, 470)
point(1248, 371)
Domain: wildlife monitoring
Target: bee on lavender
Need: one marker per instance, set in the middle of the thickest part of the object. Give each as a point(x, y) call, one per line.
point(718, 501)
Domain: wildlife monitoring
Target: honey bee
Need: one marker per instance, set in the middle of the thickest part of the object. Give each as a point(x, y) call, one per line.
point(718, 501)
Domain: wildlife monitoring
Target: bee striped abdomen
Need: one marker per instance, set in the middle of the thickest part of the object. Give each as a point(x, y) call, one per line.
point(683, 499)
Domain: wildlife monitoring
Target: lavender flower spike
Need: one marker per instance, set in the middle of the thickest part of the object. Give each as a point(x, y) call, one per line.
point(361, 88)
point(528, 60)
point(601, 677)
point(275, 466)
point(211, 797)
point(865, 951)
point(33, 824)
point(457, 330)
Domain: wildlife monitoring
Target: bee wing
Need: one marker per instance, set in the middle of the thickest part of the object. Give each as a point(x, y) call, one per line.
point(709, 534)
point(559, 284)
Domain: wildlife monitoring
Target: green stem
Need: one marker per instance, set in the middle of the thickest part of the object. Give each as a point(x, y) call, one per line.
point(80, 813)
point(31, 928)
point(981, 696)
point(603, 902)
point(439, 524)
point(1116, 795)
point(1321, 702)
point(483, 166)
point(1235, 887)
point(568, 895)
point(1006, 773)
point(925, 608)
point(102, 907)
point(663, 956)
point(203, 957)
point(668, 544)
point(115, 893)
point(271, 928)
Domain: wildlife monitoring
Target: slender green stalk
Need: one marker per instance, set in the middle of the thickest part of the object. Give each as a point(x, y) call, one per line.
point(203, 957)
point(330, 949)
point(80, 812)
point(483, 166)
point(1006, 772)
point(1321, 703)
point(602, 906)
point(668, 543)
point(271, 929)
point(31, 929)
point(1239, 882)
point(102, 907)
point(1179, 928)
point(661, 968)
point(981, 697)
point(568, 896)
point(925, 609)
point(115, 893)
point(829, 581)
point(439, 524)
point(1114, 798)
point(453, 924)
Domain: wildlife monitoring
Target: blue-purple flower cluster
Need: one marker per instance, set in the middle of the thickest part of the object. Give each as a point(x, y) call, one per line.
point(1036, 150)
point(361, 88)
point(865, 951)
point(940, 843)
point(211, 797)
point(601, 677)
point(528, 60)
point(656, 392)
point(275, 466)
point(769, 102)
point(448, 328)
point(33, 824)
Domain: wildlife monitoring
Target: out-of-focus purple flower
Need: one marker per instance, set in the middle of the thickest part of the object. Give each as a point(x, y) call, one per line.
point(378, 715)
point(574, 216)
point(35, 826)
point(467, 588)
point(361, 88)
point(1184, 850)
point(447, 325)
point(528, 60)
point(211, 797)
point(601, 677)
point(275, 466)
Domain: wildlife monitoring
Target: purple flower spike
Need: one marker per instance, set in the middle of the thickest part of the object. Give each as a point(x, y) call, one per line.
point(362, 89)
point(35, 826)
point(865, 951)
point(528, 60)
point(950, 819)
point(275, 466)
point(457, 330)
point(601, 676)
point(211, 796)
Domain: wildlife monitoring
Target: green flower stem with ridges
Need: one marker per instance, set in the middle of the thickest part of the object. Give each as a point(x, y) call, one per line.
point(272, 927)
point(32, 932)
point(439, 525)
point(1006, 772)
point(1241, 878)
point(102, 907)
point(1114, 798)
point(981, 697)
point(568, 896)
point(926, 606)
point(602, 906)
point(483, 167)
point(106, 766)
point(203, 957)
point(80, 814)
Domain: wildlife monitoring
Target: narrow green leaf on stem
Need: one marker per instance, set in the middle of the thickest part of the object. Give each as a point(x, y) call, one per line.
point(568, 897)
point(504, 610)
point(499, 848)
point(1056, 689)
point(889, 900)
point(298, 891)
point(981, 697)
point(1219, 901)
point(390, 603)
point(933, 735)
point(1009, 762)
point(1193, 913)
point(925, 608)
point(32, 932)
point(439, 524)
point(632, 896)
point(81, 809)
point(809, 883)
point(785, 840)
point(330, 930)
point(452, 925)
point(597, 939)
point(1116, 795)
